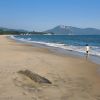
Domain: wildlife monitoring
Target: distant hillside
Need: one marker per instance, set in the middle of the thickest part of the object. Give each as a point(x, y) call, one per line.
point(6, 31)
point(69, 30)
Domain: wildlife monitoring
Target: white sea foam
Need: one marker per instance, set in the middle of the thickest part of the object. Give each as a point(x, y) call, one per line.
point(93, 51)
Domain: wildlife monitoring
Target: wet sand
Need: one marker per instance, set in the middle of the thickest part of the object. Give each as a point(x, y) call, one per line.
point(72, 78)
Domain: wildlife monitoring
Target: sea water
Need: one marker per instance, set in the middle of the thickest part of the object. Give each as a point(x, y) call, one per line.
point(67, 42)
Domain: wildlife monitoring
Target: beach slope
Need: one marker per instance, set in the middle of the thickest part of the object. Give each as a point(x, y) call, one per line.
point(72, 78)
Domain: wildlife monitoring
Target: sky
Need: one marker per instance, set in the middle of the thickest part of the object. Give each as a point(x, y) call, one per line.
point(40, 15)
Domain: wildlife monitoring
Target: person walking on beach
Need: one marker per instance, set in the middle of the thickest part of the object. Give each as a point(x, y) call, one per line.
point(87, 49)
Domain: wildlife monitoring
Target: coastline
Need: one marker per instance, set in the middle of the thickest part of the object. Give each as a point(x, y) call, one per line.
point(73, 78)
point(61, 51)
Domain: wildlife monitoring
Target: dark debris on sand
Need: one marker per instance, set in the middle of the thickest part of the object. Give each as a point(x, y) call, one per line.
point(35, 77)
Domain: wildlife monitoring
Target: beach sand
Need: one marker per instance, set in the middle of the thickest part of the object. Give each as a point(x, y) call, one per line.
point(72, 78)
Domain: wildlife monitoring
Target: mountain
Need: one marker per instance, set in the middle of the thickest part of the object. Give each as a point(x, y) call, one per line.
point(69, 30)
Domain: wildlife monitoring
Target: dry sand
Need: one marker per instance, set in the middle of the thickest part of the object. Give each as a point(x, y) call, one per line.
point(72, 78)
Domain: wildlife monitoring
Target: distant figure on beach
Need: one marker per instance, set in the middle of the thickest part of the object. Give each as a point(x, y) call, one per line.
point(87, 49)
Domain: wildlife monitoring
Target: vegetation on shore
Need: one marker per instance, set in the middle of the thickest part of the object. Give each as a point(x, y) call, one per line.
point(6, 31)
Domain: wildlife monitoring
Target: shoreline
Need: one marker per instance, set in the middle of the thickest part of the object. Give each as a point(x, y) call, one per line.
point(72, 78)
point(65, 52)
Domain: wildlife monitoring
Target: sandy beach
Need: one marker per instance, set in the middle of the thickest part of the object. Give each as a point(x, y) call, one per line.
point(72, 78)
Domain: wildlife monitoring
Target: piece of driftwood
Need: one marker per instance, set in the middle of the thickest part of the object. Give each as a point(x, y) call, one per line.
point(35, 77)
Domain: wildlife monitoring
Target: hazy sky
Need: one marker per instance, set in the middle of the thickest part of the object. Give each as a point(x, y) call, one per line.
point(44, 14)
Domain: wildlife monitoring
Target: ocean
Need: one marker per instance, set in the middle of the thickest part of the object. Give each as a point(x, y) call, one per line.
point(67, 42)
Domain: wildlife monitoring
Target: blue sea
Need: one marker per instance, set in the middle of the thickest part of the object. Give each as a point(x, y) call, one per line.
point(66, 42)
